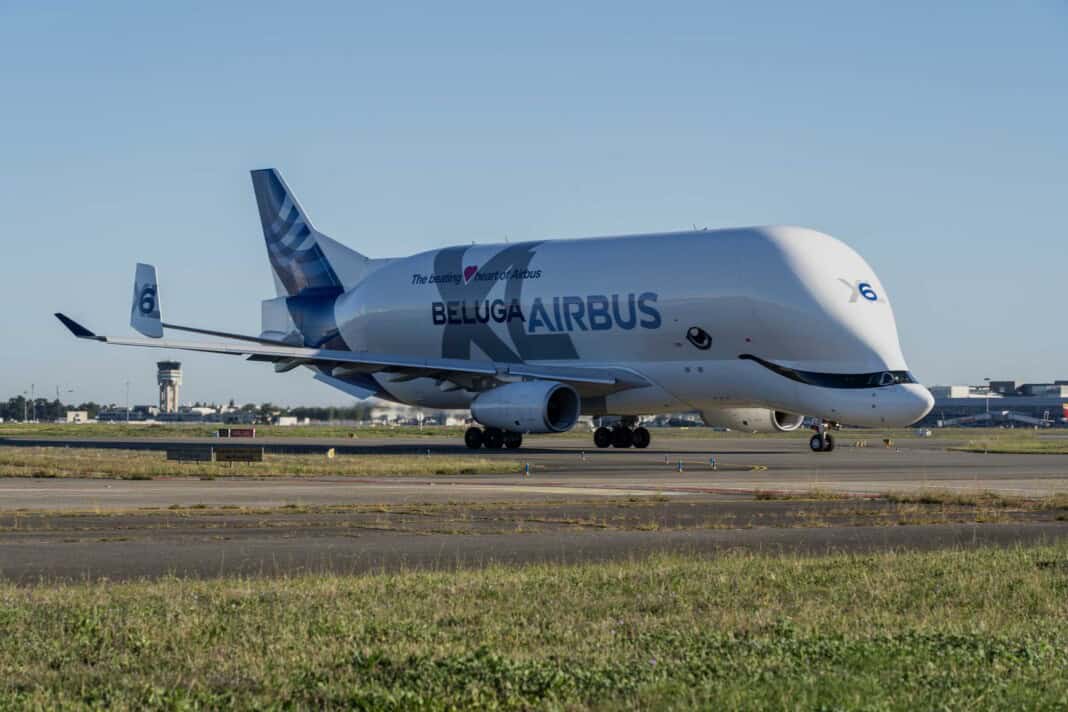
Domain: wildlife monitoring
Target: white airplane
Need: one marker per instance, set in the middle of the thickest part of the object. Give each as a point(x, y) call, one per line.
point(753, 327)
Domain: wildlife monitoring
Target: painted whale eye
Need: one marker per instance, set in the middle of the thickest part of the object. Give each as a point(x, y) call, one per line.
point(699, 338)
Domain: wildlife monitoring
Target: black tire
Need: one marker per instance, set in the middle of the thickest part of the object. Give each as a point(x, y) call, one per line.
point(622, 438)
point(602, 437)
point(493, 439)
point(828, 444)
point(473, 438)
point(816, 443)
point(512, 441)
point(641, 438)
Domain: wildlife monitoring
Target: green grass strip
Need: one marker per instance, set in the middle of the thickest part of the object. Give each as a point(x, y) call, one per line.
point(947, 630)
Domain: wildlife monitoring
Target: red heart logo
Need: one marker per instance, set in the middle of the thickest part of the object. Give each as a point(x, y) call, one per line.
point(469, 273)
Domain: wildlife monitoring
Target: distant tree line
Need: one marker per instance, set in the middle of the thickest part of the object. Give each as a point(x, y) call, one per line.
point(21, 408)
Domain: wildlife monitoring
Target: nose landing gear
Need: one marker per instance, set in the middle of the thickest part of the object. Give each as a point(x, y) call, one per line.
point(822, 441)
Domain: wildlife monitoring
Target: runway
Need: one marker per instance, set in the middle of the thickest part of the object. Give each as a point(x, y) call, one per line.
point(561, 467)
point(575, 503)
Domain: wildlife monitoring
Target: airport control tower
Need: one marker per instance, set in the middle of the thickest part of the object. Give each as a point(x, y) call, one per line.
point(169, 377)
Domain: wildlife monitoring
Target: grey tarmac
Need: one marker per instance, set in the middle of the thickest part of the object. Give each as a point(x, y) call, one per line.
point(576, 504)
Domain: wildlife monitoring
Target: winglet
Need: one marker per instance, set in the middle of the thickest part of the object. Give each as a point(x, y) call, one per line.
point(145, 309)
point(77, 329)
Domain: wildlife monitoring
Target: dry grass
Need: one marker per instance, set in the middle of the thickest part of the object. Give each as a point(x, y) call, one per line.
point(1019, 442)
point(146, 464)
point(982, 499)
point(812, 495)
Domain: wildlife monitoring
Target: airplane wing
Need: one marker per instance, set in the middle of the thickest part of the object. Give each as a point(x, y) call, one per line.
point(588, 381)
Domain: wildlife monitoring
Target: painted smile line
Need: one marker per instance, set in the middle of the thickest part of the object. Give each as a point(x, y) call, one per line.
point(875, 379)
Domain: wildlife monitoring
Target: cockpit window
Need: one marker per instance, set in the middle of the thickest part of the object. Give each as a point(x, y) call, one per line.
point(877, 379)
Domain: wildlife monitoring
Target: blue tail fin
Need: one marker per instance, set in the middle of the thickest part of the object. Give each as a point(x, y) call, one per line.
point(293, 245)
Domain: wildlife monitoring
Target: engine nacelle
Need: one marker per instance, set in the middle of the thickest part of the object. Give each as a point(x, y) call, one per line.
point(753, 420)
point(528, 407)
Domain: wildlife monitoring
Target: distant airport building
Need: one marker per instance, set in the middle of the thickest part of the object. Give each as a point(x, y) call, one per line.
point(289, 420)
point(169, 377)
point(189, 414)
point(135, 413)
point(387, 413)
point(1000, 404)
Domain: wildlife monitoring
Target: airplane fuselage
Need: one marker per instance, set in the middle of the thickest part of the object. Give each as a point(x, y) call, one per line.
point(685, 311)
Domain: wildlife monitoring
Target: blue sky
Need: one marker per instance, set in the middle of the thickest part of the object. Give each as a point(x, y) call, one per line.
point(932, 137)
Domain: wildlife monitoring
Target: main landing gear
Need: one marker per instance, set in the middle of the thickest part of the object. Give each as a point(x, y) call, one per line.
point(622, 435)
point(492, 438)
point(822, 441)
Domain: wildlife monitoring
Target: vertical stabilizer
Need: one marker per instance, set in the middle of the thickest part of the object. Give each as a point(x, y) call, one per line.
point(294, 246)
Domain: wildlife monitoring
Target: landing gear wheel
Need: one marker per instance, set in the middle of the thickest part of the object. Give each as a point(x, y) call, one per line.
point(602, 437)
point(641, 438)
point(473, 438)
point(493, 439)
point(816, 443)
point(823, 443)
point(622, 438)
point(512, 441)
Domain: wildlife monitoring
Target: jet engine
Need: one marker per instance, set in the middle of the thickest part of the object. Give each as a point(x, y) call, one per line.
point(528, 407)
point(753, 420)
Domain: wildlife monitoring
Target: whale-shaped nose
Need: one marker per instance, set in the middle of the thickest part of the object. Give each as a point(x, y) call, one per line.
point(908, 403)
point(894, 406)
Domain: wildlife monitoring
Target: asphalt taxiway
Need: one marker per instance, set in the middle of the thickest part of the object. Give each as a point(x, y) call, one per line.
point(561, 467)
point(564, 502)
